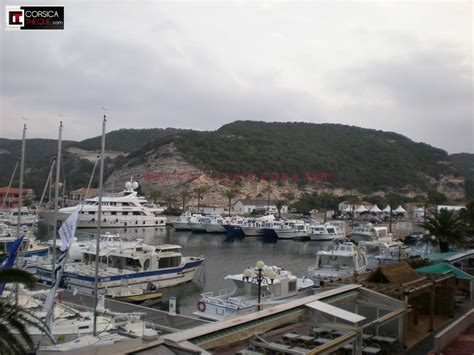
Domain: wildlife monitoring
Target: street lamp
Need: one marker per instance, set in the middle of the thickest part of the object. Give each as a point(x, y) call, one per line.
point(259, 277)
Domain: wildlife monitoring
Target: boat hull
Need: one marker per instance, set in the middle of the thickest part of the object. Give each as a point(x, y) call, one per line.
point(107, 222)
point(290, 234)
point(253, 231)
point(233, 229)
point(214, 228)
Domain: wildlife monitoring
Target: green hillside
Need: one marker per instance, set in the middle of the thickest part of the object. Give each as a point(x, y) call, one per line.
point(128, 140)
point(366, 159)
point(464, 162)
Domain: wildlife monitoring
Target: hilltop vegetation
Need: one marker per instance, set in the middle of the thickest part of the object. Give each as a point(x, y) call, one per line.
point(464, 162)
point(128, 140)
point(365, 159)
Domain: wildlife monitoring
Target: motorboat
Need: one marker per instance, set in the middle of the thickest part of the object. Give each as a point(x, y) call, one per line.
point(384, 251)
point(326, 231)
point(183, 221)
point(122, 210)
point(292, 229)
point(233, 225)
point(26, 217)
point(215, 224)
point(124, 267)
point(368, 232)
point(199, 225)
point(343, 260)
point(256, 226)
point(278, 286)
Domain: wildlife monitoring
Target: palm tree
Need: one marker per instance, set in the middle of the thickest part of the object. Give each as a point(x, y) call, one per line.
point(230, 194)
point(268, 190)
point(155, 195)
point(447, 227)
point(184, 196)
point(14, 319)
point(169, 200)
point(200, 191)
point(279, 206)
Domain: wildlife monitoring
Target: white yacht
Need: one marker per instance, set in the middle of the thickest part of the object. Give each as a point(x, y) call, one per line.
point(256, 226)
point(199, 224)
point(384, 251)
point(233, 225)
point(183, 221)
point(326, 231)
point(126, 266)
point(292, 229)
point(343, 260)
point(122, 210)
point(368, 232)
point(279, 285)
point(27, 218)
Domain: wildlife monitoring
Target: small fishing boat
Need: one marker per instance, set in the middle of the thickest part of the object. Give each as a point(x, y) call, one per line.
point(278, 286)
point(291, 230)
point(343, 260)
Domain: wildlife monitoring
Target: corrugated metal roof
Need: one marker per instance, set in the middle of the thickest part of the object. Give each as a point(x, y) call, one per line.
point(446, 268)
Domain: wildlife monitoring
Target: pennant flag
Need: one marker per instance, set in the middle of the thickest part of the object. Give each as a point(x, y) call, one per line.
point(12, 250)
point(66, 232)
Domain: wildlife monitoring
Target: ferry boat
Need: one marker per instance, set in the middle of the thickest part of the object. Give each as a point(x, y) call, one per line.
point(233, 225)
point(368, 232)
point(326, 231)
point(252, 227)
point(343, 260)
point(291, 230)
point(122, 210)
point(279, 286)
point(384, 251)
point(215, 224)
point(183, 221)
point(126, 267)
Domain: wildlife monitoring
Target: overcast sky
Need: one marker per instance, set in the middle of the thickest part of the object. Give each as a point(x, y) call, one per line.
point(403, 67)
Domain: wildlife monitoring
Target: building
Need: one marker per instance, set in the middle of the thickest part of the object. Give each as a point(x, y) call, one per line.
point(209, 210)
point(247, 206)
point(9, 197)
point(343, 318)
point(80, 194)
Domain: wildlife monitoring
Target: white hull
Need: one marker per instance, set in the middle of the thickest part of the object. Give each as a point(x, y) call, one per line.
point(323, 237)
point(358, 237)
point(181, 225)
point(197, 227)
point(290, 234)
point(214, 228)
point(253, 231)
point(109, 221)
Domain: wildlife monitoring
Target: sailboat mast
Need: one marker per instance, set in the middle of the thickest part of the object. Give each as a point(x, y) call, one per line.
point(99, 222)
point(20, 199)
point(56, 193)
point(9, 185)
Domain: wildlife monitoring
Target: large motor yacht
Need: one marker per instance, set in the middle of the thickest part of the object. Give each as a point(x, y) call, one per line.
point(122, 210)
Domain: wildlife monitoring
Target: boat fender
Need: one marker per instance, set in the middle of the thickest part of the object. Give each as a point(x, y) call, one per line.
point(201, 306)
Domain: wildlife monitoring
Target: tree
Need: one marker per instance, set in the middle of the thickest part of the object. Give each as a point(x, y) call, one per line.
point(155, 195)
point(279, 206)
point(169, 200)
point(447, 227)
point(184, 196)
point(14, 319)
point(230, 194)
point(268, 190)
point(200, 191)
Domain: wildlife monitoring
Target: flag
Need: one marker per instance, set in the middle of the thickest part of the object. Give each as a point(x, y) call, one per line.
point(66, 232)
point(68, 228)
point(12, 250)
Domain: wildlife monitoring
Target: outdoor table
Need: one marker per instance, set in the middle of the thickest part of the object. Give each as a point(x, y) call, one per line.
point(297, 348)
point(366, 336)
point(321, 341)
point(306, 338)
point(388, 340)
point(347, 347)
point(370, 350)
point(321, 330)
point(291, 336)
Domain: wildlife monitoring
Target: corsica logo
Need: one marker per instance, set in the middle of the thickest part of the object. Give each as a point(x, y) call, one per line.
point(34, 17)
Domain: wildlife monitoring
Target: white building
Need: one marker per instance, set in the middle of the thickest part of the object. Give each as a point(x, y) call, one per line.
point(247, 206)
